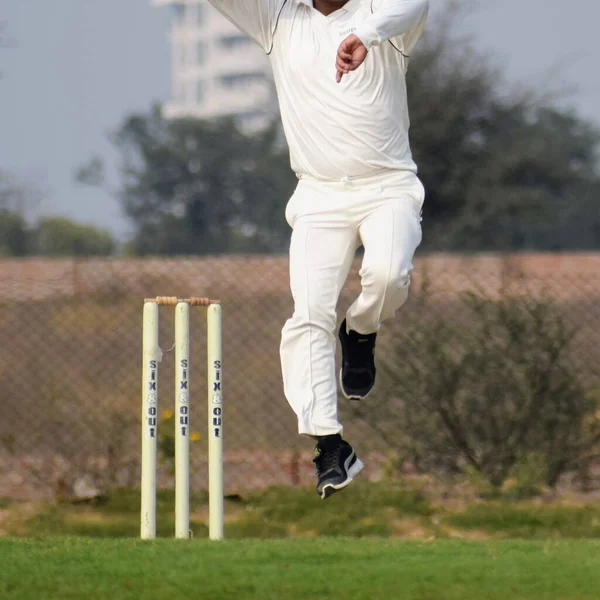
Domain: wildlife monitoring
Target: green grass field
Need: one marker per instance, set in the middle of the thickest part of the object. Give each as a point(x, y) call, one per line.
point(380, 540)
point(334, 568)
point(382, 509)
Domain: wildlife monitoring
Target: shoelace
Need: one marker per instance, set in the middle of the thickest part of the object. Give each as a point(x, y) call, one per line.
point(327, 460)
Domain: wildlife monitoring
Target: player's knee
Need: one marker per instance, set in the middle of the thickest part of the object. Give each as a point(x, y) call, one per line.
point(385, 281)
point(314, 315)
point(400, 280)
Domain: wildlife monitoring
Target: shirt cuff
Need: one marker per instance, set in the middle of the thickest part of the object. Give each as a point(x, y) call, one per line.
point(367, 35)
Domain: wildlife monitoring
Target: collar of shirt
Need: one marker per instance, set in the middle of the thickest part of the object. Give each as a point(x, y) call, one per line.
point(351, 6)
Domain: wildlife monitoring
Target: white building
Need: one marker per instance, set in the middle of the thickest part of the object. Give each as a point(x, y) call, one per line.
point(217, 71)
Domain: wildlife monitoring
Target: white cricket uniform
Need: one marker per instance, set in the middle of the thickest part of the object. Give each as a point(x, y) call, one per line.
point(349, 147)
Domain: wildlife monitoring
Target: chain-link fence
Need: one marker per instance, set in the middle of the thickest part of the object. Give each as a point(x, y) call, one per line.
point(70, 361)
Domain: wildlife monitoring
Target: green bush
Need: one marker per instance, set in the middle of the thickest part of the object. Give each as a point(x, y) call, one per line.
point(489, 388)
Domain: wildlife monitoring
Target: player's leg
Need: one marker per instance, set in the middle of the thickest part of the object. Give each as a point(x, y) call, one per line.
point(322, 248)
point(320, 258)
point(390, 233)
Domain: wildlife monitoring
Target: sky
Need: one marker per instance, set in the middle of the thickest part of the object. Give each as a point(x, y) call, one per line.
point(75, 68)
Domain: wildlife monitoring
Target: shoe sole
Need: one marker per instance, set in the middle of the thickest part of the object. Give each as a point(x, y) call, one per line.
point(353, 471)
point(350, 396)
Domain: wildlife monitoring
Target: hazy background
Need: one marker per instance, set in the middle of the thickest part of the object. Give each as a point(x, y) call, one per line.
point(488, 378)
point(79, 66)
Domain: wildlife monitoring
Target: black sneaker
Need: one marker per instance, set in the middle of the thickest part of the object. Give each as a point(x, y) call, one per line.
point(336, 465)
point(357, 375)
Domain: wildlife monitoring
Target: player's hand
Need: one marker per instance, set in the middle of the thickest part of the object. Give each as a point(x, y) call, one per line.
point(351, 54)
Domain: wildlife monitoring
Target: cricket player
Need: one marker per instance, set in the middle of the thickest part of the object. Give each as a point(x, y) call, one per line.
point(339, 68)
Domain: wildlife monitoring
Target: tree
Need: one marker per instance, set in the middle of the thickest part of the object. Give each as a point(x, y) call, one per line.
point(500, 170)
point(14, 234)
point(199, 187)
point(503, 170)
point(488, 396)
point(57, 236)
point(50, 236)
point(16, 196)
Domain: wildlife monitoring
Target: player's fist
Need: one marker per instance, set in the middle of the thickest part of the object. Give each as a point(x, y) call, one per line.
point(350, 55)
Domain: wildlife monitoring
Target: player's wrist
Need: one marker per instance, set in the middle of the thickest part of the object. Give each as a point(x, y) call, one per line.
point(367, 35)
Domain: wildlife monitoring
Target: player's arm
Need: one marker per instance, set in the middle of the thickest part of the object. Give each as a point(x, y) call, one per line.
point(400, 20)
point(256, 18)
point(393, 19)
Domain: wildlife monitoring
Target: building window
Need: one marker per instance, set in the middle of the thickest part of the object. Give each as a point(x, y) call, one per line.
point(200, 92)
point(231, 42)
point(240, 79)
point(200, 15)
point(179, 91)
point(200, 53)
point(189, 93)
point(179, 54)
point(179, 14)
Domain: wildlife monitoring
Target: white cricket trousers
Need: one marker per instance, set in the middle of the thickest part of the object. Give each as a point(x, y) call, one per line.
point(330, 220)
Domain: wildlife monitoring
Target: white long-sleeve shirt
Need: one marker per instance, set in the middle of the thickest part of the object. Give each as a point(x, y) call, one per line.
point(358, 127)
